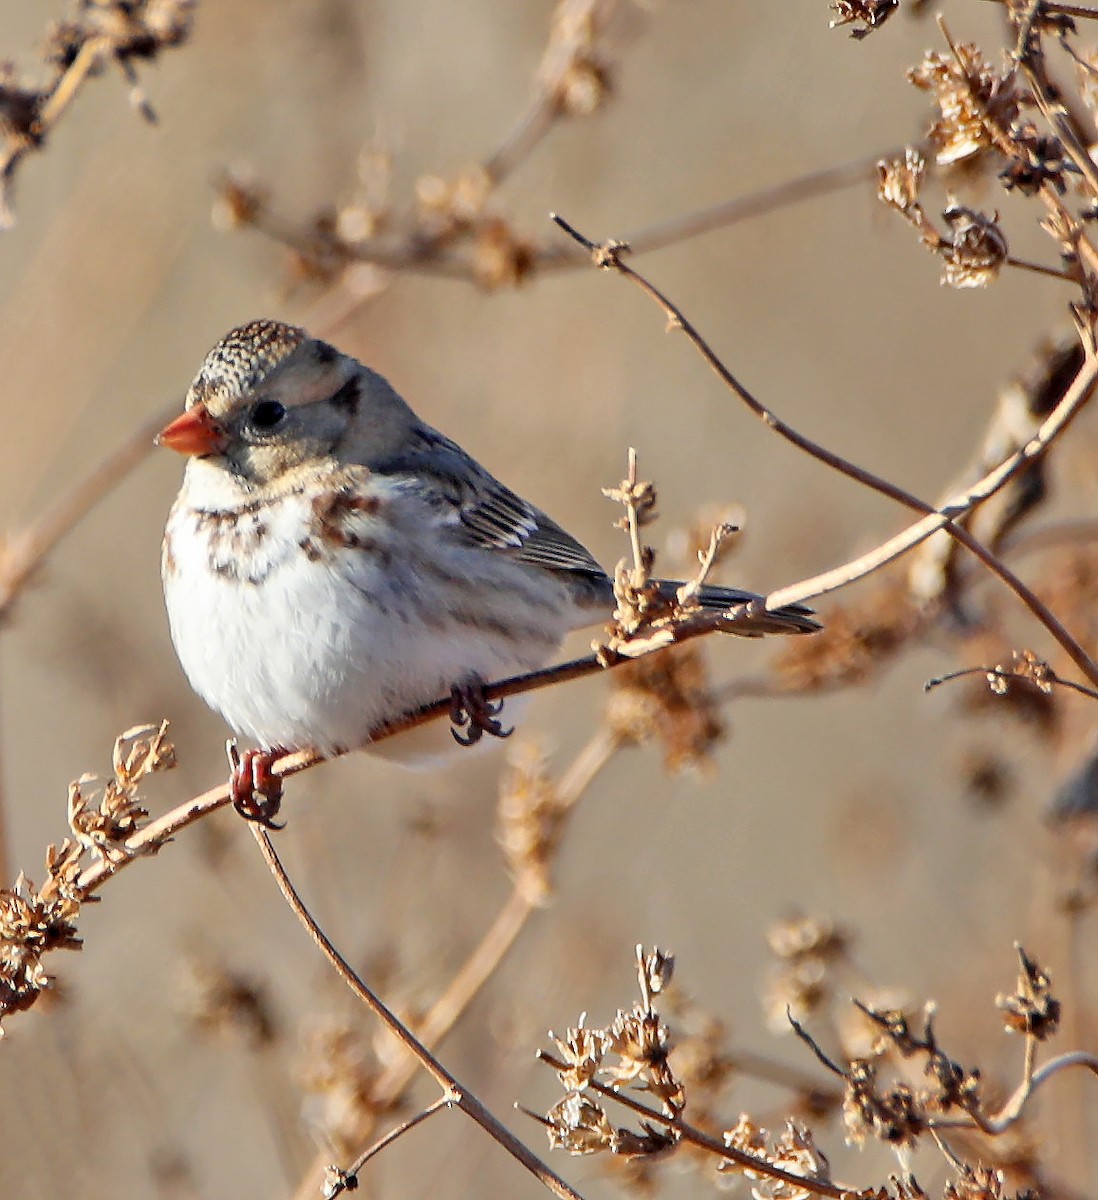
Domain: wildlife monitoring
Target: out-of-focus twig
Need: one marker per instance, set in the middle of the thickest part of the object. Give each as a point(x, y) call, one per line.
point(94, 37)
point(23, 553)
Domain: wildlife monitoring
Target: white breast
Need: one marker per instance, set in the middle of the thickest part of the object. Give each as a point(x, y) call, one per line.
point(305, 649)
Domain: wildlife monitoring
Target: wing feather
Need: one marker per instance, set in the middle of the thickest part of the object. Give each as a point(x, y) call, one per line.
point(484, 511)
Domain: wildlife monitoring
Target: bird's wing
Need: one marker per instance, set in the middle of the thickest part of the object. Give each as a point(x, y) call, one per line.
point(483, 511)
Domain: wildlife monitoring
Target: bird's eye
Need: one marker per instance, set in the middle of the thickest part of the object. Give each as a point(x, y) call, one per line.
point(267, 414)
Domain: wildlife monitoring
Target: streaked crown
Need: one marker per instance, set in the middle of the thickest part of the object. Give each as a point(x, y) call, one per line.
point(243, 358)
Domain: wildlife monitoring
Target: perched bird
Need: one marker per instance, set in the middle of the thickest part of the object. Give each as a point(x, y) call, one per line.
point(331, 562)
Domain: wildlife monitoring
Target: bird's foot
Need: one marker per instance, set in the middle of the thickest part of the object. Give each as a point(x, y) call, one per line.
point(472, 714)
point(256, 791)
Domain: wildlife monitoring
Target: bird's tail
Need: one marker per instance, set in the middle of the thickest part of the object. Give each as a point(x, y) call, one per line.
point(794, 618)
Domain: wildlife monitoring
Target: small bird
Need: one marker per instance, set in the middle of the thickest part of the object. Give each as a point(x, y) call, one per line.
point(332, 563)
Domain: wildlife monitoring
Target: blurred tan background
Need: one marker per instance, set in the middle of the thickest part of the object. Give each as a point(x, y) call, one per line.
point(113, 284)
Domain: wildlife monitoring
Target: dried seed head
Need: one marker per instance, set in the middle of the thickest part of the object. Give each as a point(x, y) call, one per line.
point(337, 1072)
point(583, 1050)
point(800, 936)
point(900, 179)
point(794, 1151)
point(447, 206)
point(654, 970)
point(529, 821)
point(667, 698)
point(501, 258)
point(1037, 159)
point(976, 249)
point(858, 641)
point(579, 1125)
point(222, 1000)
point(893, 1115)
point(976, 1183)
point(1031, 1009)
point(973, 100)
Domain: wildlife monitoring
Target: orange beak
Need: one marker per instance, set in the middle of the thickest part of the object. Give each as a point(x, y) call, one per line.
point(195, 432)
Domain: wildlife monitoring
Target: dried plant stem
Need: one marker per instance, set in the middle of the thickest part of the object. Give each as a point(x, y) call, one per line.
point(64, 92)
point(397, 1132)
point(86, 61)
point(454, 1093)
point(1000, 673)
point(1038, 269)
point(703, 1141)
point(608, 256)
point(810, 186)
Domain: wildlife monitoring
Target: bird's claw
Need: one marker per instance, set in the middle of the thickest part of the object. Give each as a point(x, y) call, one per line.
point(472, 714)
point(256, 791)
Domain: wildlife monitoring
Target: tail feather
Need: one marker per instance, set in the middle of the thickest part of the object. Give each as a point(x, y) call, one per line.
point(793, 618)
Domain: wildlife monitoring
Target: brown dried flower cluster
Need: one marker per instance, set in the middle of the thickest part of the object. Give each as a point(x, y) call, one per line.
point(530, 820)
point(793, 1150)
point(898, 1112)
point(807, 950)
point(103, 828)
point(338, 1073)
point(858, 640)
point(667, 698)
point(883, 1102)
point(32, 925)
point(221, 999)
point(974, 100)
point(641, 1043)
point(1025, 666)
point(35, 921)
point(575, 72)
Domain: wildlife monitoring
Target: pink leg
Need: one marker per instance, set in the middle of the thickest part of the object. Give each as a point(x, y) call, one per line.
point(256, 792)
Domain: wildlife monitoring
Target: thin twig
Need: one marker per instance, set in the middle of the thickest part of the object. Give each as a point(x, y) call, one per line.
point(398, 1132)
point(999, 673)
point(1038, 269)
point(454, 1093)
point(811, 186)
